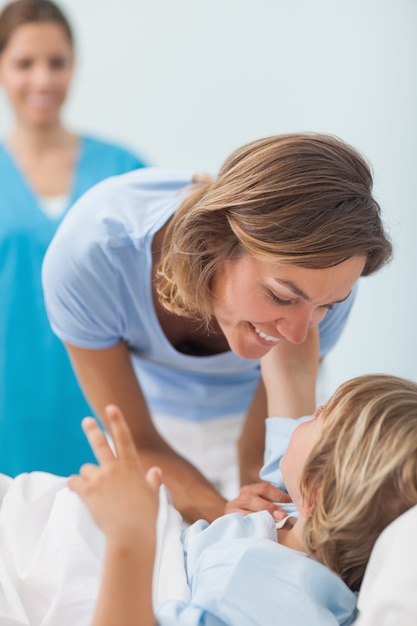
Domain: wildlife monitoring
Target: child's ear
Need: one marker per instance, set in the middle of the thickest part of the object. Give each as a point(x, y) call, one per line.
point(307, 505)
point(305, 510)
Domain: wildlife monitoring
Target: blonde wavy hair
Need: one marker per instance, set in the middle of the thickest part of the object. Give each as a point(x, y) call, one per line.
point(302, 199)
point(362, 474)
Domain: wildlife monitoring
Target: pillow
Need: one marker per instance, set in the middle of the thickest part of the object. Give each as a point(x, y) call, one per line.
point(388, 595)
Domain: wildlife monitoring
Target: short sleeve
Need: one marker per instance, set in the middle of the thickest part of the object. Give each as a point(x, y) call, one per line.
point(278, 432)
point(80, 279)
point(331, 327)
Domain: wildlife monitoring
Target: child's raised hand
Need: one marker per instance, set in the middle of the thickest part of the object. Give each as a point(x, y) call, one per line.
point(121, 499)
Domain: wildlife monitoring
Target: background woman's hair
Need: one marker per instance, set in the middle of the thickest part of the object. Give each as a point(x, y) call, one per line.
point(22, 12)
point(302, 199)
point(362, 474)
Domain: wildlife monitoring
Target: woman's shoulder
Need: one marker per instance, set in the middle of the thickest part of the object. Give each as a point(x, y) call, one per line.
point(103, 150)
point(147, 183)
point(123, 210)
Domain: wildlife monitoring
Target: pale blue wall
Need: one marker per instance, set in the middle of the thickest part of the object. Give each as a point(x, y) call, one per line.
point(187, 81)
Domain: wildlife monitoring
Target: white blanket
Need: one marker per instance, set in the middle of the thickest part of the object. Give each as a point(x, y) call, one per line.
point(51, 554)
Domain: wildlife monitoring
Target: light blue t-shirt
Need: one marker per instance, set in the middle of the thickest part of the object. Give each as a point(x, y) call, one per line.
point(41, 404)
point(97, 285)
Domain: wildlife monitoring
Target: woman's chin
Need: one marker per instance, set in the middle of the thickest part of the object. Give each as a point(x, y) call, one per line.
point(249, 350)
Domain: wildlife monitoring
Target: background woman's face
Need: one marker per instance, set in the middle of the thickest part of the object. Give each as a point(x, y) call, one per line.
point(257, 302)
point(35, 71)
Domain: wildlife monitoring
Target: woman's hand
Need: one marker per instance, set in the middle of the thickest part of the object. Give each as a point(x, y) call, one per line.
point(260, 496)
point(122, 500)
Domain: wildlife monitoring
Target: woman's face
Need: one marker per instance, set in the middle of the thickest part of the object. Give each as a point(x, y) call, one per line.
point(257, 303)
point(35, 71)
point(302, 441)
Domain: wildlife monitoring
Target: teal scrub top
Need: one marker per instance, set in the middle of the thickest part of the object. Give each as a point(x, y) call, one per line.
point(41, 404)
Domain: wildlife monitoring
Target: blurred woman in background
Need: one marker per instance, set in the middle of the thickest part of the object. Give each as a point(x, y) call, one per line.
point(44, 168)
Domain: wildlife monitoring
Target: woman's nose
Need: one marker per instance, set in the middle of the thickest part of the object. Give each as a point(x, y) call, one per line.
point(42, 75)
point(295, 327)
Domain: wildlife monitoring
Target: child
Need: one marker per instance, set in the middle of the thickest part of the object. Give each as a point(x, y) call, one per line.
point(351, 471)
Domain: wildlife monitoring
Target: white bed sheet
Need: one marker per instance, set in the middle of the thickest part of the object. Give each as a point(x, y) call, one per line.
point(50, 554)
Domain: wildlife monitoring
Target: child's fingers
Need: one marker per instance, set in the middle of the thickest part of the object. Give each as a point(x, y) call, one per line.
point(120, 433)
point(154, 477)
point(97, 440)
point(73, 483)
point(77, 484)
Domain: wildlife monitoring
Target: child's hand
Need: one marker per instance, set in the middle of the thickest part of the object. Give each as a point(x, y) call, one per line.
point(122, 500)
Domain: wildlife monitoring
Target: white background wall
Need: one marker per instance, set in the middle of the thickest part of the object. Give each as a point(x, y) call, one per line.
point(185, 82)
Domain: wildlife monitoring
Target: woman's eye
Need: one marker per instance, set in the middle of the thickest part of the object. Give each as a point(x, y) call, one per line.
point(58, 63)
point(23, 64)
point(279, 300)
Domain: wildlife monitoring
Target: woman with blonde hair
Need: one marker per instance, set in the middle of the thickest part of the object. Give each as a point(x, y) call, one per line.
point(167, 288)
point(44, 168)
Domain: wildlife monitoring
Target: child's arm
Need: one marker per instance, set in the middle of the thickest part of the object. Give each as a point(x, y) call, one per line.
point(289, 374)
point(124, 504)
point(287, 389)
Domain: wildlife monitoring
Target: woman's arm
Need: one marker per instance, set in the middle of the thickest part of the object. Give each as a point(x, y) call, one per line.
point(251, 442)
point(124, 504)
point(107, 377)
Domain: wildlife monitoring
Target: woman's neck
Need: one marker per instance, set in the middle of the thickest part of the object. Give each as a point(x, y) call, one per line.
point(37, 140)
point(47, 157)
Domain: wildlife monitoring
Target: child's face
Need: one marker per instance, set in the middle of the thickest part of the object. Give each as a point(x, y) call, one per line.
point(303, 440)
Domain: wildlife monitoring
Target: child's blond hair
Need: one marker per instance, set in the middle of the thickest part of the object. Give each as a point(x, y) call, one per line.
point(362, 474)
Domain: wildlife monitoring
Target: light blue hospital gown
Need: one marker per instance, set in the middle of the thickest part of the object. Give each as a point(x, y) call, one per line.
point(240, 576)
point(41, 405)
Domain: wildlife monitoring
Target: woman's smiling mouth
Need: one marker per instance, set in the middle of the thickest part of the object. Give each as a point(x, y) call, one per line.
point(265, 338)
